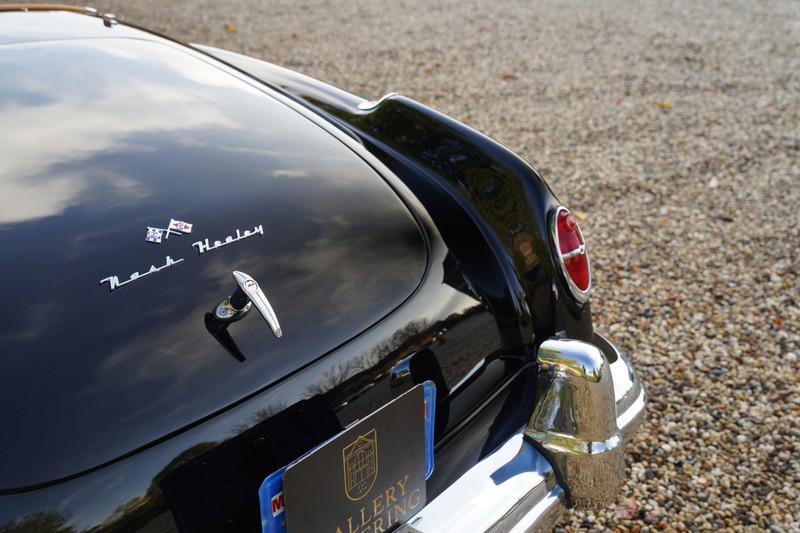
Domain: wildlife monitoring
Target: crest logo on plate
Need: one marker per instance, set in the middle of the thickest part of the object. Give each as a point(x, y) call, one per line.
point(360, 461)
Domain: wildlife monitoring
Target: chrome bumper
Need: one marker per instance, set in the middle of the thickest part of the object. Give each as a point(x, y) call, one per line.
point(570, 453)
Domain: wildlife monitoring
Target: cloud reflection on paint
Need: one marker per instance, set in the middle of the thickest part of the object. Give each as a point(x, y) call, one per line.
point(85, 114)
point(155, 133)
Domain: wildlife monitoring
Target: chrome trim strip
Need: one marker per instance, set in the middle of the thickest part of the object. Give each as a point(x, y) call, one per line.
point(580, 250)
point(543, 516)
point(623, 377)
point(495, 494)
point(369, 105)
point(633, 412)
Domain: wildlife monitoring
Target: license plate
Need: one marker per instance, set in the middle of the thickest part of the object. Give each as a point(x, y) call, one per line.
point(370, 477)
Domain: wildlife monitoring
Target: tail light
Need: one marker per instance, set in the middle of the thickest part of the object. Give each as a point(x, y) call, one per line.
point(572, 254)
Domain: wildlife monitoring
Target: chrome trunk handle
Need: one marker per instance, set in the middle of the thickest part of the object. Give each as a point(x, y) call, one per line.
point(253, 292)
point(246, 296)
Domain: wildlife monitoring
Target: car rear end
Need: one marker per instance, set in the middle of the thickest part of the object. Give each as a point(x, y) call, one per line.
point(398, 248)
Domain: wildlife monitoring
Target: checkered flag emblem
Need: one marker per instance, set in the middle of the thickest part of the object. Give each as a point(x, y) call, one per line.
point(154, 234)
point(175, 227)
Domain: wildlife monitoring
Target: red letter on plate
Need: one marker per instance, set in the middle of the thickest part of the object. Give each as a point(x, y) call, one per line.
point(277, 504)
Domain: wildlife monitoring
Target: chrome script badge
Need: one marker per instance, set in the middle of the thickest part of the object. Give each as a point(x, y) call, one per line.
point(205, 246)
point(114, 282)
point(176, 227)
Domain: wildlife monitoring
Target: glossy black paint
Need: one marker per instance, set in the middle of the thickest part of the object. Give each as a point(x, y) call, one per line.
point(162, 134)
point(487, 297)
point(479, 192)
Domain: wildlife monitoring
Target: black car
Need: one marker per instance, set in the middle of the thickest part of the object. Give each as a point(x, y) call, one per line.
point(239, 299)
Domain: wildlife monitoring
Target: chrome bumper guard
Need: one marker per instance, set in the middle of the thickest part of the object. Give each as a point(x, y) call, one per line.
point(589, 402)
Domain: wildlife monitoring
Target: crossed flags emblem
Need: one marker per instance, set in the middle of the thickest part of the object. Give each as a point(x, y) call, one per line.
point(176, 227)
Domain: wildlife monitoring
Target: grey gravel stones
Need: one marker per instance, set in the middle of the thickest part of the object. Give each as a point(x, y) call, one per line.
point(674, 127)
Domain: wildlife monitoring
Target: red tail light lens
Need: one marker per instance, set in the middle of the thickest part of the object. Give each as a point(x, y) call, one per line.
point(572, 253)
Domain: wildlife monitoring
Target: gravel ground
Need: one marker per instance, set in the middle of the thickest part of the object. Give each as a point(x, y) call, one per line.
point(674, 128)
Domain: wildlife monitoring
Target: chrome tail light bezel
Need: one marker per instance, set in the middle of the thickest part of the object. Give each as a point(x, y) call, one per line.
point(579, 294)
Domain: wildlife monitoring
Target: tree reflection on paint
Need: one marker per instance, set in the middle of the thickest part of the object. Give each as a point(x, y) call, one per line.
point(39, 522)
